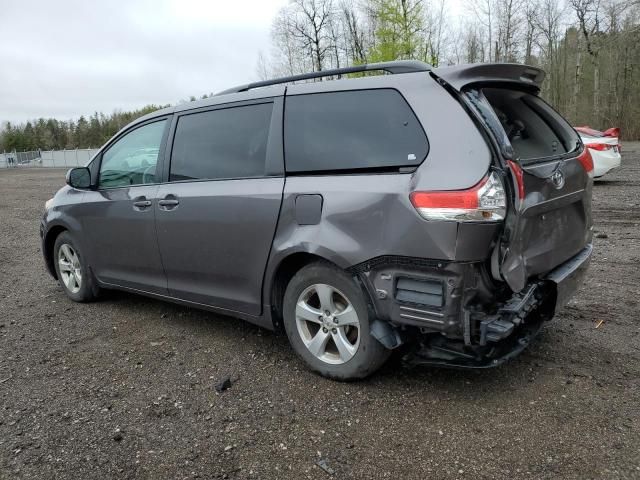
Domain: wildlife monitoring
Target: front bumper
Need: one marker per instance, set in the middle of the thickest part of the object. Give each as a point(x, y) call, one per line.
point(48, 262)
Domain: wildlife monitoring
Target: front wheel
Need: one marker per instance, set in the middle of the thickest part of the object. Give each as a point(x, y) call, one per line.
point(72, 269)
point(327, 323)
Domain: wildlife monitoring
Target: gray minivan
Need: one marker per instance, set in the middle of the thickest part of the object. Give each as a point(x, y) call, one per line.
point(445, 209)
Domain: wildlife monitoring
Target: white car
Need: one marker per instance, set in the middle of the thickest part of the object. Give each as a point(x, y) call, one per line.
point(604, 148)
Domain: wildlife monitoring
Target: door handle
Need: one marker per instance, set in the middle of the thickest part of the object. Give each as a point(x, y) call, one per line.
point(141, 203)
point(168, 203)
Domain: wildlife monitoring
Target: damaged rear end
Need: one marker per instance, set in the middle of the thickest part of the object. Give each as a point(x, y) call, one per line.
point(536, 201)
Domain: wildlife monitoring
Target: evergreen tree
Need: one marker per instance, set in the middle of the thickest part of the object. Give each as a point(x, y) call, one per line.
point(53, 134)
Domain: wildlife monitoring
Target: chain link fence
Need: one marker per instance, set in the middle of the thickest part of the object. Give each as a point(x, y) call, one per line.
point(47, 158)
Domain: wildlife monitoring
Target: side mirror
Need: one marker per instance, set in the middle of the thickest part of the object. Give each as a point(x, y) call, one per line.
point(79, 177)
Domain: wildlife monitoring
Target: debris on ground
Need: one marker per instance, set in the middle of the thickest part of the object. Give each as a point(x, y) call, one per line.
point(224, 384)
point(322, 463)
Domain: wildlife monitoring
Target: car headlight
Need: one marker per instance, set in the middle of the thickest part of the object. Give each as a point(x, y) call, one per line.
point(47, 204)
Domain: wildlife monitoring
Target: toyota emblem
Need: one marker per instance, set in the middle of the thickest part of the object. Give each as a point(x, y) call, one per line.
point(557, 179)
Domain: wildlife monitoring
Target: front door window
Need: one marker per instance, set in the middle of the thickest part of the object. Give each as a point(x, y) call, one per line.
point(133, 158)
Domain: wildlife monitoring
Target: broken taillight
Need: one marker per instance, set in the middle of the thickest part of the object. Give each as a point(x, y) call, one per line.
point(519, 177)
point(484, 202)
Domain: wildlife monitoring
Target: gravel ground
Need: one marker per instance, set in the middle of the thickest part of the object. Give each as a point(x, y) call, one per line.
point(125, 387)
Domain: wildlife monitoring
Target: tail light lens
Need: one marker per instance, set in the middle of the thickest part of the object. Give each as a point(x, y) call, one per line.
point(519, 177)
point(601, 147)
point(586, 161)
point(484, 202)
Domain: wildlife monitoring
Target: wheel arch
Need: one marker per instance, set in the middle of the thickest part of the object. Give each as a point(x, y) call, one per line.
point(286, 268)
point(49, 243)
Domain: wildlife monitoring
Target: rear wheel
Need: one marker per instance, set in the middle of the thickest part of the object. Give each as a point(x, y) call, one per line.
point(73, 272)
point(327, 322)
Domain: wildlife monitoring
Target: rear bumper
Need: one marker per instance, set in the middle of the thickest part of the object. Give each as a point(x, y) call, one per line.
point(567, 277)
point(604, 162)
point(422, 293)
point(460, 322)
point(451, 357)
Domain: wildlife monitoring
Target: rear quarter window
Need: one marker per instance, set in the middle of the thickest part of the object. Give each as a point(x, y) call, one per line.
point(352, 131)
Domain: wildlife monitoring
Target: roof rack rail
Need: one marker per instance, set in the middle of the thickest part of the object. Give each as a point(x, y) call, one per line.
point(400, 66)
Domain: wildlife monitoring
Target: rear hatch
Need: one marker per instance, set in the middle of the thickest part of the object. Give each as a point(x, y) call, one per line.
point(544, 165)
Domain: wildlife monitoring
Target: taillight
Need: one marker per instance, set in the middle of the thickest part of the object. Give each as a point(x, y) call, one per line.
point(483, 202)
point(586, 161)
point(517, 173)
point(601, 147)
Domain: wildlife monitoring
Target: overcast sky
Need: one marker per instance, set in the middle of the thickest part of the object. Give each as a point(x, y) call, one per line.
point(67, 58)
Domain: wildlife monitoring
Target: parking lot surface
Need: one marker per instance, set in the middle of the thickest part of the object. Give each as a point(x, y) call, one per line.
point(125, 387)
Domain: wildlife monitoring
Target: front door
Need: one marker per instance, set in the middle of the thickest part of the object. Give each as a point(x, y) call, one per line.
point(216, 217)
point(119, 216)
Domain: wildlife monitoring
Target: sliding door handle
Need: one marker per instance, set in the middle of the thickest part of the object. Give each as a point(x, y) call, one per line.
point(168, 203)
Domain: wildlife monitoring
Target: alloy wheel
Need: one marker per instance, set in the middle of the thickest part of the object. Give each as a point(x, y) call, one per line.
point(328, 324)
point(69, 267)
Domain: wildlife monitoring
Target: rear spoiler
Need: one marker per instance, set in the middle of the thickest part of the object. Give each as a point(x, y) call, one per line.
point(592, 132)
point(460, 76)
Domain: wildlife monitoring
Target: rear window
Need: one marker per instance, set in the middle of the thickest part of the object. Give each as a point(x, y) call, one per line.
point(352, 130)
point(533, 128)
point(221, 144)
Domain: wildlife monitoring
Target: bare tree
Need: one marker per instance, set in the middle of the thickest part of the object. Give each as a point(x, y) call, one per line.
point(590, 49)
point(587, 12)
point(262, 69)
point(435, 29)
point(287, 57)
point(308, 22)
point(354, 33)
point(549, 22)
point(483, 11)
point(531, 30)
point(508, 20)
point(475, 49)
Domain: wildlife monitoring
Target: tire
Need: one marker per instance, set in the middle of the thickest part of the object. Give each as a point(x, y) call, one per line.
point(338, 345)
point(72, 270)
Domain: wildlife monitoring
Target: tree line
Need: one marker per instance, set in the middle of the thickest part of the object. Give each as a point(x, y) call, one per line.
point(590, 49)
point(53, 134)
